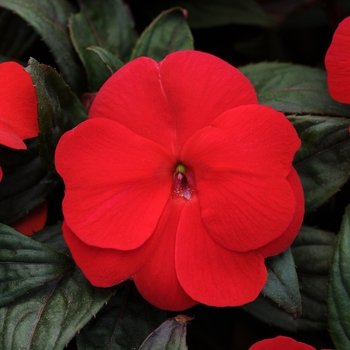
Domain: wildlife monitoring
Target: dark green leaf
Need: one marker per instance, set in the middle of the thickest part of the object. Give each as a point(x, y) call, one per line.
point(25, 183)
point(49, 19)
point(323, 161)
point(170, 335)
point(313, 317)
point(207, 13)
point(282, 285)
point(25, 264)
point(312, 251)
point(108, 25)
point(339, 288)
point(112, 62)
point(52, 237)
point(49, 317)
point(16, 35)
point(168, 33)
point(122, 324)
point(59, 109)
point(293, 89)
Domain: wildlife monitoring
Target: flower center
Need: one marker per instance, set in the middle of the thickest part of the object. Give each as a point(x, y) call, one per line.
point(181, 184)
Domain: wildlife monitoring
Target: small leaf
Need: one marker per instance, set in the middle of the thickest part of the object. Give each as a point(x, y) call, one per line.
point(49, 317)
point(170, 335)
point(108, 25)
point(49, 19)
point(282, 284)
point(207, 13)
point(25, 264)
point(121, 324)
point(323, 160)
point(293, 89)
point(25, 184)
point(112, 62)
point(339, 288)
point(168, 33)
point(59, 109)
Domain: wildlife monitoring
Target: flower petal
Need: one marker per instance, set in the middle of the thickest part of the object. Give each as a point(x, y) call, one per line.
point(9, 138)
point(199, 87)
point(240, 165)
point(178, 96)
point(157, 281)
point(117, 184)
point(133, 97)
point(18, 101)
point(279, 343)
point(34, 221)
point(337, 63)
point(210, 273)
point(286, 239)
point(106, 267)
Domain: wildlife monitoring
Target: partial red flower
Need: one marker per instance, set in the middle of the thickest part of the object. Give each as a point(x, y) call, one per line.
point(181, 181)
point(337, 63)
point(18, 107)
point(33, 222)
point(279, 343)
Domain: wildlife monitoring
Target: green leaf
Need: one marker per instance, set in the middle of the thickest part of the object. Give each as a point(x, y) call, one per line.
point(13, 46)
point(168, 33)
point(312, 251)
point(170, 335)
point(207, 13)
point(108, 25)
point(49, 317)
point(121, 324)
point(282, 284)
point(25, 264)
point(49, 19)
point(323, 161)
point(59, 109)
point(25, 184)
point(293, 89)
point(52, 237)
point(112, 62)
point(339, 288)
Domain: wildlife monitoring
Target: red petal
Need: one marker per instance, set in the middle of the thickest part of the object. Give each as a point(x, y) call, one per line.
point(157, 281)
point(286, 239)
point(337, 63)
point(9, 138)
point(210, 273)
point(133, 97)
point(106, 267)
point(117, 184)
point(34, 221)
point(18, 101)
point(199, 87)
point(185, 92)
point(240, 165)
point(279, 343)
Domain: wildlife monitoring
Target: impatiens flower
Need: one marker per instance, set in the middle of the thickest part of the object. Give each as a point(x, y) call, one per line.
point(181, 181)
point(18, 107)
point(33, 222)
point(279, 343)
point(337, 63)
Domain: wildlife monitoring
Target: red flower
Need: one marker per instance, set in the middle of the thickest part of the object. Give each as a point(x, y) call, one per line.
point(338, 63)
point(181, 181)
point(18, 117)
point(34, 221)
point(279, 343)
